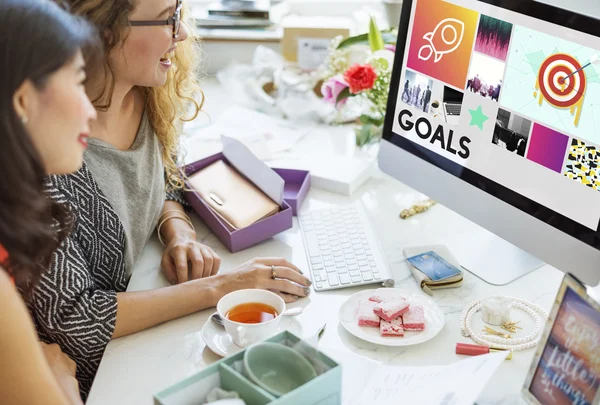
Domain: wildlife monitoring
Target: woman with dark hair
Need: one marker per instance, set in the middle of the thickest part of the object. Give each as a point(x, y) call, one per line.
point(44, 122)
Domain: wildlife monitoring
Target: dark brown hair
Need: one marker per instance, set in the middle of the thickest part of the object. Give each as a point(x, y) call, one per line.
point(37, 38)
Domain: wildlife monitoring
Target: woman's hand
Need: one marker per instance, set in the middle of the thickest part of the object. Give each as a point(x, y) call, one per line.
point(63, 368)
point(289, 283)
point(186, 259)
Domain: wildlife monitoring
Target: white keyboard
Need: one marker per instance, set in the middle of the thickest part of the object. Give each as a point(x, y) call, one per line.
point(342, 248)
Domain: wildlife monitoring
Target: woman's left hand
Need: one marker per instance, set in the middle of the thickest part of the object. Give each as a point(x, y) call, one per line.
point(186, 259)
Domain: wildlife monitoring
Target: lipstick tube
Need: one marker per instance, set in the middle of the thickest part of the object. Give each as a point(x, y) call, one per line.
point(476, 350)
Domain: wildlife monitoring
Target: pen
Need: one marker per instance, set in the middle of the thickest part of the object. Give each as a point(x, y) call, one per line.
point(475, 350)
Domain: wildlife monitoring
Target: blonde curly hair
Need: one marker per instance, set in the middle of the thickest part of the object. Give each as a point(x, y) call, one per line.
point(168, 106)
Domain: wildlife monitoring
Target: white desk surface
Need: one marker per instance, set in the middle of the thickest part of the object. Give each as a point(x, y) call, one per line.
point(137, 366)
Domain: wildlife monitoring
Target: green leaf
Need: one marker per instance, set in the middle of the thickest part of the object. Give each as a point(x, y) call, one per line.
point(375, 39)
point(367, 119)
point(344, 94)
point(389, 36)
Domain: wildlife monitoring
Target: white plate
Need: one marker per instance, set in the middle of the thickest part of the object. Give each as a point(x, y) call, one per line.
point(434, 318)
point(220, 341)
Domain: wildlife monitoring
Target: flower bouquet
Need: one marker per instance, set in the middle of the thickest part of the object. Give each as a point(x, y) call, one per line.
point(361, 67)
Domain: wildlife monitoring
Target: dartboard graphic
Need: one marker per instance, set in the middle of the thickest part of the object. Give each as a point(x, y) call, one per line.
point(558, 90)
point(555, 87)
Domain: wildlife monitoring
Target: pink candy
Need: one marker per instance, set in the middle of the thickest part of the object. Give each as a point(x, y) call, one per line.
point(393, 328)
point(414, 319)
point(392, 309)
point(366, 316)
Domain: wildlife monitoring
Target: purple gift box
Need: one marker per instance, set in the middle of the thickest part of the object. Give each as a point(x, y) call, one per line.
point(297, 183)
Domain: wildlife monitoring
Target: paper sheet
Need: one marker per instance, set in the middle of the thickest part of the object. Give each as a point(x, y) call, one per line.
point(460, 383)
point(253, 128)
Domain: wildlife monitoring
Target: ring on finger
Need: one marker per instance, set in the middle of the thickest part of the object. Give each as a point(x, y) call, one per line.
point(273, 273)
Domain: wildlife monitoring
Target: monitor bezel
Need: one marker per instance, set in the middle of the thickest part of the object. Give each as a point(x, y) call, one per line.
point(541, 11)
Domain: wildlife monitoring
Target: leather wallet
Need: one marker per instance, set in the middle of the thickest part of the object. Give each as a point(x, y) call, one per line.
point(233, 198)
point(424, 281)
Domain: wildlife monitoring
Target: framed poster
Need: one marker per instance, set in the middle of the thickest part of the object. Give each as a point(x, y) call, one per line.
point(566, 366)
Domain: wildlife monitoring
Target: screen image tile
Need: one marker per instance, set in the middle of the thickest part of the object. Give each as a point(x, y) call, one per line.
point(582, 164)
point(493, 37)
point(441, 42)
point(485, 76)
point(547, 147)
point(416, 91)
point(511, 132)
point(536, 83)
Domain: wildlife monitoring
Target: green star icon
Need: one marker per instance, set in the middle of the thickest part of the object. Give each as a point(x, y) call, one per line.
point(478, 117)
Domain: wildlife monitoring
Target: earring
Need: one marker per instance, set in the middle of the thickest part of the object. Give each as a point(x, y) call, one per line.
point(24, 119)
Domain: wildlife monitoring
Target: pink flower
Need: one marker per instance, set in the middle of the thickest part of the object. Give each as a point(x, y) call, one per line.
point(332, 88)
point(390, 47)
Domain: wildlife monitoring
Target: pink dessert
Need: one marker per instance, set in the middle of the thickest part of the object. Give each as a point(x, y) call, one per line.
point(414, 318)
point(366, 316)
point(392, 309)
point(376, 298)
point(393, 328)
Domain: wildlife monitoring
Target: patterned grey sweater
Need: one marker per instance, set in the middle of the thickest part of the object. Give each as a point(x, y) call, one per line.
point(75, 303)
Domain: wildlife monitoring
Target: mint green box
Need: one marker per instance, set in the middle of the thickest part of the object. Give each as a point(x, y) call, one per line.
point(323, 390)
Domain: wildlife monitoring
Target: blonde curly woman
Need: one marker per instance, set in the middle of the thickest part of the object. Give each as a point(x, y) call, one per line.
point(129, 184)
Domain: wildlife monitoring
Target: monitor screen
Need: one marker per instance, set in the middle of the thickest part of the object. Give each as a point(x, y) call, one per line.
point(528, 82)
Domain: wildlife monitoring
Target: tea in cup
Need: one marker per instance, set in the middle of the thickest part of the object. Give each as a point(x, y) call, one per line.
point(251, 315)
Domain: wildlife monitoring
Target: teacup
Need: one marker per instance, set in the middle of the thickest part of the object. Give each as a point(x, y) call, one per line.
point(245, 334)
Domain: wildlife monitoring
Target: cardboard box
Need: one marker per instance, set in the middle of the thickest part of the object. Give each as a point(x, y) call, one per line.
point(323, 390)
point(306, 39)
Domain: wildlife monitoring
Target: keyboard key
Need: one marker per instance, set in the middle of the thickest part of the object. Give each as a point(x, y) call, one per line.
point(330, 269)
point(372, 263)
point(333, 279)
point(339, 259)
point(367, 276)
point(319, 285)
point(377, 276)
point(363, 263)
point(352, 267)
point(354, 273)
point(356, 279)
point(312, 244)
point(344, 278)
point(316, 260)
point(340, 265)
point(328, 263)
point(365, 269)
point(342, 270)
point(316, 278)
point(360, 256)
point(318, 266)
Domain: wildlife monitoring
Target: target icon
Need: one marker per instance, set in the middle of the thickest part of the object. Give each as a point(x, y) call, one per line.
point(561, 82)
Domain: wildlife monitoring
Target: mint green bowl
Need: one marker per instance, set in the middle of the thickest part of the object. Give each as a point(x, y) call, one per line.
point(277, 368)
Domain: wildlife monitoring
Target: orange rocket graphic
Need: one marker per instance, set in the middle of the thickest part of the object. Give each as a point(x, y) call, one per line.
point(445, 38)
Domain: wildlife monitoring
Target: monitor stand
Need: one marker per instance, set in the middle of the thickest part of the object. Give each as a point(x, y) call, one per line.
point(490, 257)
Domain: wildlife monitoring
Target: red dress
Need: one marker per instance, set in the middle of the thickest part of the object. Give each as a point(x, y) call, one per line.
point(3, 257)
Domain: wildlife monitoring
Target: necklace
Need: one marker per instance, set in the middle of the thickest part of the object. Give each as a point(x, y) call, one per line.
point(535, 311)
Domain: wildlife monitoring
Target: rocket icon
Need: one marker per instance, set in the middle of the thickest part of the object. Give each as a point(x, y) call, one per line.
point(445, 38)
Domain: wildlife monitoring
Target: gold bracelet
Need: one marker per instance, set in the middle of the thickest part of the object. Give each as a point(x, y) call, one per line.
point(184, 218)
point(167, 211)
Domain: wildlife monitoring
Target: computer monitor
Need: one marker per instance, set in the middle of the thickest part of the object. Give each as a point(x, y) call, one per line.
point(523, 161)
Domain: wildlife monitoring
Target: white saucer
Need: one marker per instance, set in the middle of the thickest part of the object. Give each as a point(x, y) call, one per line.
point(220, 341)
point(434, 318)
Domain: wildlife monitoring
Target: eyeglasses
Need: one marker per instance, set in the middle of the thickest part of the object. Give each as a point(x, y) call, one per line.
point(174, 20)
